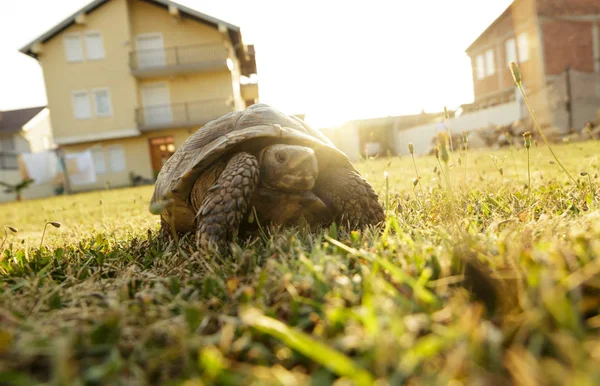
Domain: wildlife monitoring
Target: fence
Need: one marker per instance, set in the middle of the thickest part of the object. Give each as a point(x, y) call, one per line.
point(582, 106)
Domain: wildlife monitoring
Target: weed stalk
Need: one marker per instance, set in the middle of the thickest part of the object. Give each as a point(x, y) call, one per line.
point(591, 186)
point(516, 73)
point(54, 224)
point(387, 193)
point(6, 229)
point(465, 143)
point(411, 149)
point(527, 138)
point(441, 151)
point(447, 119)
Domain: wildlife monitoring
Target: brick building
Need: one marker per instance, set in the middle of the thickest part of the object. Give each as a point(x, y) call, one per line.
point(557, 46)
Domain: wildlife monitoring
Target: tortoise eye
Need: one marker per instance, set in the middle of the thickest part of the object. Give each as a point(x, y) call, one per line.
point(280, 157)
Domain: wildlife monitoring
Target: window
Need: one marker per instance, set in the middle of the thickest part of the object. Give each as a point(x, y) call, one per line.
point(73, 48)
point(81, 105)
point(8, 159)
point(99, 161)
point(510, 51)
point(480, 62)
point(102, 105)
point(94, 46)
point(490, 66)
point(523, 44)
point(116, 156)
point(7, 144)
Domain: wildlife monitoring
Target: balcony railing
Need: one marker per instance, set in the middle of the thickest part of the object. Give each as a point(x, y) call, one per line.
point(9, 161)
point(181, 114)
point(178, 59)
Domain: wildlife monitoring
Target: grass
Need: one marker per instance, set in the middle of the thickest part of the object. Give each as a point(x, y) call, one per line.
point(507, 294)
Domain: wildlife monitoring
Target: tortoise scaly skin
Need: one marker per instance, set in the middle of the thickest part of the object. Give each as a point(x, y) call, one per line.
point(225, 203)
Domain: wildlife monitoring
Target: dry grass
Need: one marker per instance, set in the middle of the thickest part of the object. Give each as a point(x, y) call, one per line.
point(488, 285)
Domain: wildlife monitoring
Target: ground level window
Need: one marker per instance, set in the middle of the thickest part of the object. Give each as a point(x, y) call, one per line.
point(116, 156)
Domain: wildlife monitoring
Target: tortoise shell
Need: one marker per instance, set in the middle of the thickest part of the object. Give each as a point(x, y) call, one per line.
point(250, 130)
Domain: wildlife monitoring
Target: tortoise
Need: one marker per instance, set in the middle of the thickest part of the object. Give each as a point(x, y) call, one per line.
point(259, 162)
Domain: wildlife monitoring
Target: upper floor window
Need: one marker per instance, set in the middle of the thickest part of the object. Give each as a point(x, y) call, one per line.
point(81, 105)
point(102, 105)
point(73, 48)
point(480, 66)
point(7, 144)
point(94, 45)
point(510, 51)
point(100, 100)
point(490, 65)
point(8, 158)
point(523, 44)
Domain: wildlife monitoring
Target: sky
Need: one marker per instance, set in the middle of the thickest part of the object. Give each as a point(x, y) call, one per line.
point(328, 59)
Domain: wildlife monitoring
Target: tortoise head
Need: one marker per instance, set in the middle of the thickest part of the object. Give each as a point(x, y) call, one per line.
point(288, 167)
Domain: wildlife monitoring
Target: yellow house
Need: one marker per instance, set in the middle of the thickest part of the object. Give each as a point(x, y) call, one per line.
point(130, 80)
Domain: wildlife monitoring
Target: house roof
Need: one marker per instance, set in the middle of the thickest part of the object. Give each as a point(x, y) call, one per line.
point(245, 53)
point(12, 121)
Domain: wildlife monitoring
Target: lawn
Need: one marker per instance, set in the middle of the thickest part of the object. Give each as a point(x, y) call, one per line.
point(481, 281)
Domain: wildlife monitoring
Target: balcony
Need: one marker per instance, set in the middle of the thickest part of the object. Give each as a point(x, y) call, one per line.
point(249, 92)
point(178, 60)
point(178, 115)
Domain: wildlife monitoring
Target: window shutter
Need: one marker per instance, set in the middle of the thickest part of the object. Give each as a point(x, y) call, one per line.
point(94, 46)
point(99, 161)
point(480, 63)
point(102, 103)
point(523, 44)
point(117, 158)
point(490, 64)
point(81, 105)
point(510, 49)
point(73, 48)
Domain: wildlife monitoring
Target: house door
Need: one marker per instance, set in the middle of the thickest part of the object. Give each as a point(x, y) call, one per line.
point(150, 51)
point(161, 149)
point(157, 104)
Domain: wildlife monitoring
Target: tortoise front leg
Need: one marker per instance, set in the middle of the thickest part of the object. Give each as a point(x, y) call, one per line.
point(350, 197)
point(225, 203)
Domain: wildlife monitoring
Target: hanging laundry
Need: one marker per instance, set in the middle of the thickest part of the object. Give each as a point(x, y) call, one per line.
point(42, 167)
point(80, 167)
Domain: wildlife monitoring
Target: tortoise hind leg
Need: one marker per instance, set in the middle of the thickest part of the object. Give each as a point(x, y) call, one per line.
point(221, 209)
point(350, 197)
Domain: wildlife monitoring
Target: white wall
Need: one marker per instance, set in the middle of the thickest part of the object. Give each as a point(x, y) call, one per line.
point(37, 129)
point(421, 136)
point(22, 145)
point(346, 139)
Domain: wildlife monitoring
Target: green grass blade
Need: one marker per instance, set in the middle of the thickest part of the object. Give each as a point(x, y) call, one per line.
point(303, 343)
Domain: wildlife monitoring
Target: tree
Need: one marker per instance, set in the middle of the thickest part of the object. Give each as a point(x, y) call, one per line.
point(17, 188)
